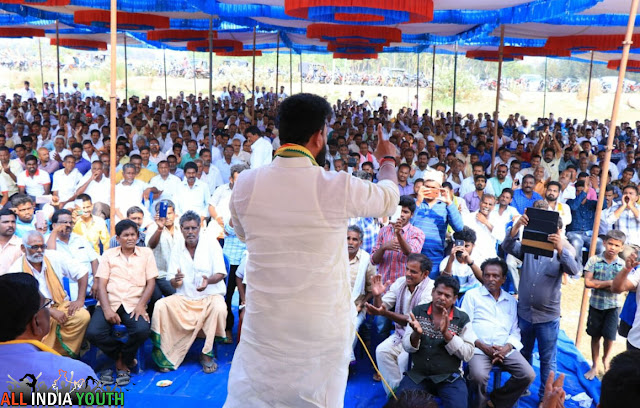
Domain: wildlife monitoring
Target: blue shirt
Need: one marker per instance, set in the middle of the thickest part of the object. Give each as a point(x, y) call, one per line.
point(83, 165)
point(23, 227)
point(370, 228)
point(433, 222)
point(582, 215)
point(406, 190)
point(233, 247)
point(521, 202)
point(25, 358)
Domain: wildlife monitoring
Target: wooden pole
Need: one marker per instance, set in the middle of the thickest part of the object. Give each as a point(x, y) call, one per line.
point(41, 73)
point(300, 70)
point(277, 67)
point(433, 79)
point(126, 69)
point(210, 124)
point(195, 88)
point(497, 112)
point(112, 116)
point(290, 71)
point(417, 81)
point(455, 80)
point(164, 57)
point(544, 98)
point(626, 45)
point(253, 80)
point(586, 113)
point(58, 64)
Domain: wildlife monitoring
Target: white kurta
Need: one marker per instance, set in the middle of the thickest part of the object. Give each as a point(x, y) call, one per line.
point(298, 327)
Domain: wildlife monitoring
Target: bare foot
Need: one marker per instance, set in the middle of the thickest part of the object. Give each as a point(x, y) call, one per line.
point(605, 364)
point(591, 374)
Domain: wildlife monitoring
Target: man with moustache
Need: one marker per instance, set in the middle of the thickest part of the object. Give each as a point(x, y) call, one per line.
point(482, 222)
point(69, 320)
point(306, 262)
point(9, 241)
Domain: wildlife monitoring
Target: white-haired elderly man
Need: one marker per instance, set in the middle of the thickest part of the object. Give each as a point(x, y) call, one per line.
point(69, 320)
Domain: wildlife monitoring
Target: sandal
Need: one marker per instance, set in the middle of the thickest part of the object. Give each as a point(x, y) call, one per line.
point(228, 338)
point(376, 377)
point(123, 378)
point(106, 377)
point(208, 367)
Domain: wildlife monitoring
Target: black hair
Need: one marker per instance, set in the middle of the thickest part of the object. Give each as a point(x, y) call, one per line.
point(134, 210)
point(507, 190)
point(20, 301)
point(30, 158)
point(497, 262)
point(554, 183)
point(190, 165)
point(409, 202)
point(76, 146)
point(422, 259)
point(84, 197)
point(480, 176)
point(253, 130)
point(19, 199)
point(58, 213)
point(6, 211)
point(620, 385)
point(356, 229)
point(125, 225)
point(300, 116)
point(412, 399)
point(189, 216)
point(448, 281)
point(466, 234)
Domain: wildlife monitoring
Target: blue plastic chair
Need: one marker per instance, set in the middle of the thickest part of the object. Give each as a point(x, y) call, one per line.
point(88, 302)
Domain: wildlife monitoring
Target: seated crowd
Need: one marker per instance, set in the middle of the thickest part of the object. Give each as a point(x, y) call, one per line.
point(440, 277)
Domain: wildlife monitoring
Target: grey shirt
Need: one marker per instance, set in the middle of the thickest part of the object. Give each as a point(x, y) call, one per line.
point(540, 280)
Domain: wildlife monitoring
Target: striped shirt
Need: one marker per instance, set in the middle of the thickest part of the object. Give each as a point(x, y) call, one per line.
point(394, 263)
point(627, 223)
point(233, 247)
point(603, 299)
point(433, 222)
point(370, 228)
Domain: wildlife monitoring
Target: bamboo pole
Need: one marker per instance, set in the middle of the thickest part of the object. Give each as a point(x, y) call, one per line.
point(277, 67)
point(164, 57)
point(626, 45)
point(300, 70)
point(41, 72)
point(433, 79)
point(195, 88)
point(544, 98)
point(210, 123)
point(455, 81)
point(586, 113)
point(290, 71)
point(253, 80)
point(112, 116)
point(497, 112)
point(417, 81)
point(126, 69)
point(58, 64)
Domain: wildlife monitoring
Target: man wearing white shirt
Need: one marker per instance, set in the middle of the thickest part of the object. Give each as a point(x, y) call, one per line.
point(65, 181)
point(261, 149)
point(219, 201)
point(87, 92)
point(129, 192)
point(193, 194)
point(266, 370)
point(494, 316)
point(481, 221)
point(166, 183)
point(226, 162)
point(468, 184)
point(97, 186)
point(32, 181)
point(197, 271)
point(27, 93)
point(155, 155)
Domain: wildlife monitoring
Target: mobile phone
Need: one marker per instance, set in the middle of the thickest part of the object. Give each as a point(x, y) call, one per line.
point(162, 211)
point(40, 219)
point(459, 242)
point(396, 215)
point(352, 162)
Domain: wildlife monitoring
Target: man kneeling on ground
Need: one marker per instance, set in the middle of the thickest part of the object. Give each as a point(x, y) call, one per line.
point(197, 271)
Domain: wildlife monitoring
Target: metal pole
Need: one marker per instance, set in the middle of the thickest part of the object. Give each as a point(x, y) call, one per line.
point(607, 158)
point(496, 114)
point(41, 73)
point(455, 81)
point(544, 100)
point(164, 57)
point(253, 80)
point(290, 72)
point(58, 64)
point(277, 67)
point(586, 113)
point(112, 115)
point(195, 88)
point(210, 125)
point(417, 81)
point(433, 78)
point(126, 68)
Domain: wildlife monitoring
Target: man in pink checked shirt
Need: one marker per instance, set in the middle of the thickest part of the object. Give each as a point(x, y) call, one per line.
point(395, 242)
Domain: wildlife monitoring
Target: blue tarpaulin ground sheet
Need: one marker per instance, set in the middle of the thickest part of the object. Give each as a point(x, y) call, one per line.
point(191, 387)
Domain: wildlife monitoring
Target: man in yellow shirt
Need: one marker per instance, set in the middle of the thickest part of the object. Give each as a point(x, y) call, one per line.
point(142, 174)
point(93, 229)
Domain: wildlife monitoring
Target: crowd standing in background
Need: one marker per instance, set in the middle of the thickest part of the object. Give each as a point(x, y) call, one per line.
point(447, 273)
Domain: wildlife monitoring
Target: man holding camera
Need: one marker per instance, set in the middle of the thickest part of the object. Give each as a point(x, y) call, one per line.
point(539, 296)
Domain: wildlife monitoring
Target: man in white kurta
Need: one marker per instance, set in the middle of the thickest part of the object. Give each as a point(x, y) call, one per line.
point(299, 317)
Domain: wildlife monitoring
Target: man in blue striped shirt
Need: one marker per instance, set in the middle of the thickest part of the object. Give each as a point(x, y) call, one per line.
point(435, 210)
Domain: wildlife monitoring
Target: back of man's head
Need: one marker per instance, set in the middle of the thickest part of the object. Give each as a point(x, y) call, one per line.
point(19, 301)
point(621, 384)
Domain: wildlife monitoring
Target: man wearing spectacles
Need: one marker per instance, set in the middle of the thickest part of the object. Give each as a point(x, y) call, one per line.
point(69, 320)
point(24, 323)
